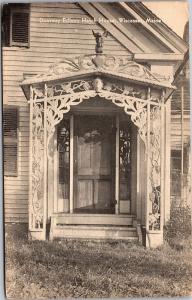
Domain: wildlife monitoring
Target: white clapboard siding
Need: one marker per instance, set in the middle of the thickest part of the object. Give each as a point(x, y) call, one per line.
point(49, 43)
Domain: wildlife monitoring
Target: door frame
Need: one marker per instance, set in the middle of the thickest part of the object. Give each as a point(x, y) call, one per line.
point(71, 158)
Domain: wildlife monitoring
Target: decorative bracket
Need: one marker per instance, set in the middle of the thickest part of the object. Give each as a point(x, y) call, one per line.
point(60, 97)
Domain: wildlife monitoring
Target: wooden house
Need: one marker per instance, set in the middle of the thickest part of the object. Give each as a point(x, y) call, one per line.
point(86, 94)
point(180, 134)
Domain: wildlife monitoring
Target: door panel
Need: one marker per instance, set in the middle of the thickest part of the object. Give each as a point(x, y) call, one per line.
point(85, 194)
point(84, 157)
point(94, 164)
point(102, 194)
point(101, 157)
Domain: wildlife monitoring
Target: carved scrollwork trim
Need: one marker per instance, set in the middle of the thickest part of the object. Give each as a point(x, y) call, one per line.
point(61, 98)
point(133, 107)
point(36, 203)
point(155, 168)
point(124, 66)
point(58, 106)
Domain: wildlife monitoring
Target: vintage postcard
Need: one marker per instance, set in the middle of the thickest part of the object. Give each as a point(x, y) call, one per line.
point(97, 157)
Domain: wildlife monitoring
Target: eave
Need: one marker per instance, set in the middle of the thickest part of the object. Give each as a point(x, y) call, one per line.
point(25, 85)
point(84, 74)
point(162, 30)
point(168, 57)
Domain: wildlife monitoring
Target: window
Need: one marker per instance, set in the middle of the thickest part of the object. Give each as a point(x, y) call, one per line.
point(176, 173)
point(10, 132)
point(15, 25)
point(176, 160)
point(63, 143)
point(124, 160)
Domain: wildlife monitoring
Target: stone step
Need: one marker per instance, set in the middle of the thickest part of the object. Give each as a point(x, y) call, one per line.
point(93, 232)
point(92, 219)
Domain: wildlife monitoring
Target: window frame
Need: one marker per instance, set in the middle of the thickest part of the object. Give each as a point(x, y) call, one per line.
point(9, 141)
point(18, 10)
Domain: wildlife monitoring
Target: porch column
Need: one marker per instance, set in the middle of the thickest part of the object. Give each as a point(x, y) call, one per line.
point(45, 158)
point(71, 163)
point(38, 164)
point(155, 174)
point(167, 160)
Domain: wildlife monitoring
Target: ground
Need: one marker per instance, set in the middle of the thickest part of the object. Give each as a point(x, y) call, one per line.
point(73, 268)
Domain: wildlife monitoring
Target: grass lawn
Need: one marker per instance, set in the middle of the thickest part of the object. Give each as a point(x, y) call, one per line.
point(72, 268)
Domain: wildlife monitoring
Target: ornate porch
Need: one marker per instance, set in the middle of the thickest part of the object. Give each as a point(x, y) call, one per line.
point(132, 186)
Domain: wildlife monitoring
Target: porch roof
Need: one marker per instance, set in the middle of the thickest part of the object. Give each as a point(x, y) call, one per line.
point(95, 65)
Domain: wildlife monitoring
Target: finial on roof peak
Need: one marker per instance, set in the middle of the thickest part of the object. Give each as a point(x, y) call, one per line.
point(99, 37)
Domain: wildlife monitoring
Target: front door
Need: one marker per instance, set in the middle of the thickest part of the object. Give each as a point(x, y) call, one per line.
point(94, 164)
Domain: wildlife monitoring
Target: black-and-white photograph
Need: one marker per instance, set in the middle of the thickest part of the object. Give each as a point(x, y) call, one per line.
point(96, 149)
